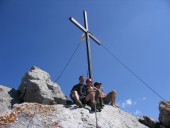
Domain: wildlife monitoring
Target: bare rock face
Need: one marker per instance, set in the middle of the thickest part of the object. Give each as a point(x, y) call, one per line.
point(164, 116)
point(8, 97)
point(36, 86)
point(34, 115)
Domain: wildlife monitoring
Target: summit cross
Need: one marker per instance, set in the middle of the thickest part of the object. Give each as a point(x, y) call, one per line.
point(87, 35)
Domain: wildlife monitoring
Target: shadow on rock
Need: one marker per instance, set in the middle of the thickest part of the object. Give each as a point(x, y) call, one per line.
point(15, 97)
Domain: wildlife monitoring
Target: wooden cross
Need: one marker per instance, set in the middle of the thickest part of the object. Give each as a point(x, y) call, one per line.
point(87, 35)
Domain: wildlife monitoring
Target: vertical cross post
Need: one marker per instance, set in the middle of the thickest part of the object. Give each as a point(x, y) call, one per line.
point(87, 35)
point(88, 46)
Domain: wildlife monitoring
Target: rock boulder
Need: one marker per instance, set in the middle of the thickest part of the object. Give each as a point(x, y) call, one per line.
point(36, 86)
point(164, 116)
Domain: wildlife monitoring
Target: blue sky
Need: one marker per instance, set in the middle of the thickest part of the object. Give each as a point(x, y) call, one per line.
point(38, 32)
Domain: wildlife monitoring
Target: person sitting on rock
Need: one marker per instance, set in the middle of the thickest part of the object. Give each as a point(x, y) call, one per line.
point(106, 99)
point(78, 93)
point(83, 94)
point(93, 95)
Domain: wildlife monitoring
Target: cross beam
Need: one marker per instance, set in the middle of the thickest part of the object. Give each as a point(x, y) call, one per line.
point(87, 35)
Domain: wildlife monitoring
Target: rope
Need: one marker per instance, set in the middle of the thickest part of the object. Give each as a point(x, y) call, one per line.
point(97, 126)
point(67, 63)
point(134, 74)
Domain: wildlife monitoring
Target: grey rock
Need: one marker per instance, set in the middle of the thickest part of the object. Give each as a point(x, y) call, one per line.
point(36, 86)
point(149, 122)
point(8, 97)
point(164, 116)
point(60, 116)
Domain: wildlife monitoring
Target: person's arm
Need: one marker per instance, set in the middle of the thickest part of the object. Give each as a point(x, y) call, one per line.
point(95, 88)
point(92, 89)
point(102, 94)
point(73, 89)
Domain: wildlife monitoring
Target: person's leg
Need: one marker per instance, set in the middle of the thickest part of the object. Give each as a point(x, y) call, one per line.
point(72, 96)
point(77, 99)
point(111, 97)
point(90, 97)
point(97, 96)
point(90, 100)
point(101, 102)
point(93, 95)
point(83, 101)
point(98, 100)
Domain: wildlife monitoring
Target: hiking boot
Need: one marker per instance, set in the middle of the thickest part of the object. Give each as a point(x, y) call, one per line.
point(93, 109)
point(92, 105)
point(101, 105)
point(98, 107)
point(79, 104)
point(69, 102)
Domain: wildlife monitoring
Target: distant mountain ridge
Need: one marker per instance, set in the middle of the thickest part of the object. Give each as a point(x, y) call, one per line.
point(40, 103)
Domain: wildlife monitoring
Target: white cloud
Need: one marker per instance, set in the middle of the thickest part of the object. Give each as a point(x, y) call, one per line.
point(126, 103)
point(129, 102)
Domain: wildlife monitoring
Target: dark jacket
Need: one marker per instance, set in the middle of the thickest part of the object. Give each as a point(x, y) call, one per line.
point(81, 90)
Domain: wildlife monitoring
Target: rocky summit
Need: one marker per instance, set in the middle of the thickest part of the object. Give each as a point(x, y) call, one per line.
point(39, 103)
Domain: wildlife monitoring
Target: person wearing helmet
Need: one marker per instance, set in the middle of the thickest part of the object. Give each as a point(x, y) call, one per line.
point(92, 97)
point(88, 88)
